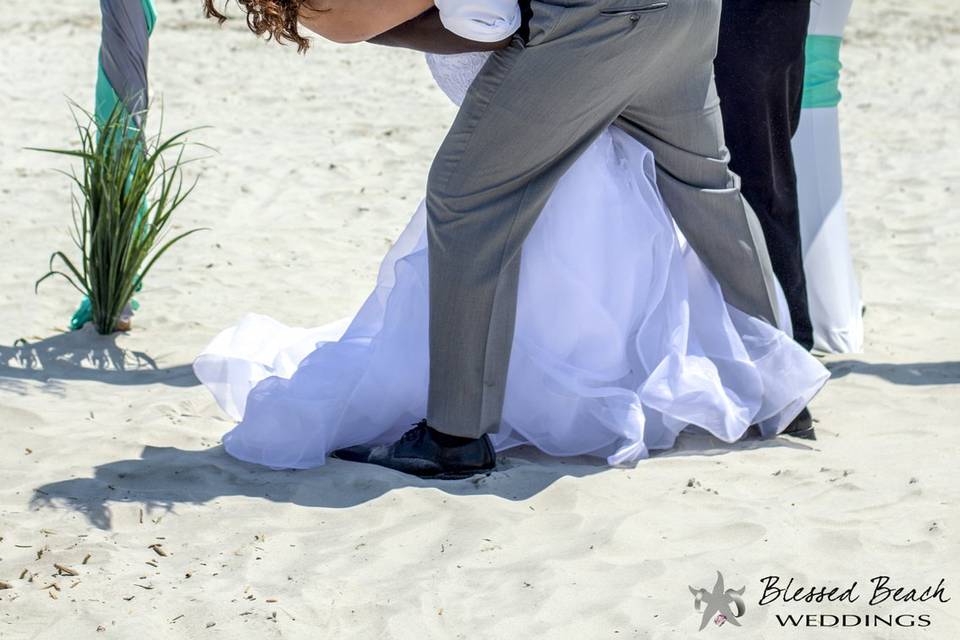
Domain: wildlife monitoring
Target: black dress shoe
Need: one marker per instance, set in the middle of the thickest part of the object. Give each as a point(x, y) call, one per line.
point(427, 453)
point(802, 426)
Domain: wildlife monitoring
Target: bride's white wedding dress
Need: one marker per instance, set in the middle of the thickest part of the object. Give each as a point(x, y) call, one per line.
point(622, 338)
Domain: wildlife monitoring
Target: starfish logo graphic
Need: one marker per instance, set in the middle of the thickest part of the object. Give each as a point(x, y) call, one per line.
point(717, 603)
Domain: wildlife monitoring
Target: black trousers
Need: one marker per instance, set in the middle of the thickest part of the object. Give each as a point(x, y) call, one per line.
point(759, 69)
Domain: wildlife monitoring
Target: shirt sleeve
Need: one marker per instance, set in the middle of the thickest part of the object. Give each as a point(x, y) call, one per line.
point(480, 20)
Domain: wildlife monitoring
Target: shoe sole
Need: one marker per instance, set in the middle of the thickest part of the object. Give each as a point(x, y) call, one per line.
point(449, 475)
point(460, 475)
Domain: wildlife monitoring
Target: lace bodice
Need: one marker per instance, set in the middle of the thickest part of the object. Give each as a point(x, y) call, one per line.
point(455, 73)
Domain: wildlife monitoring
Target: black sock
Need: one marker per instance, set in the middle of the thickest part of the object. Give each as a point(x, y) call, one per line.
point(447, 440)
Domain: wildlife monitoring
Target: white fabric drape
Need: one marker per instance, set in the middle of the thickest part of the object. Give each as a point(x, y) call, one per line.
point(832, 288)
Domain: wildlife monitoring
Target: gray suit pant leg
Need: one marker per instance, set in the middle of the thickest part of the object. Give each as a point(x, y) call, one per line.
point(529, 115)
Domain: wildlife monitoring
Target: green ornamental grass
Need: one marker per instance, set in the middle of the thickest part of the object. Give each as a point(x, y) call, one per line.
point(129, 187)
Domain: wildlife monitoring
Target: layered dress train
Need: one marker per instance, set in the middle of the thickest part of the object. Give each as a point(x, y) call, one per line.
point(622, 337)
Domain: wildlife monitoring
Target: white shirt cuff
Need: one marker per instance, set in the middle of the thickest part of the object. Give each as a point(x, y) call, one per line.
point(480, 27)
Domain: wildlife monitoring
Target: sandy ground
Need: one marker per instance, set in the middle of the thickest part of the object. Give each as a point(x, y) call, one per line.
point(109, 445)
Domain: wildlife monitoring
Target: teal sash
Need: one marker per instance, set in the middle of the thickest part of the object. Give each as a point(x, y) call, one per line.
point(821, 81)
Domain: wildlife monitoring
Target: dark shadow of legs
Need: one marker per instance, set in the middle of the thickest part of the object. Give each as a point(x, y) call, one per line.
point(918, 373)
point(166, 476)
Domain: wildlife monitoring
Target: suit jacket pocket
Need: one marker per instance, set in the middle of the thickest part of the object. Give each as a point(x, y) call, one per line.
point(635, 9)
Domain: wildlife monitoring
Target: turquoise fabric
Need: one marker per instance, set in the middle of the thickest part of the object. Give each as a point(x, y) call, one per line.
point(106, 100)
point(151, 13)
point(821, 82)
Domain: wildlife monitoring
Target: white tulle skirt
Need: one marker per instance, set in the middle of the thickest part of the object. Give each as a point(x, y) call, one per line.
point(622, 340)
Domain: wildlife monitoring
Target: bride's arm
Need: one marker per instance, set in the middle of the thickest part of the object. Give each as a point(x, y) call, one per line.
point(349, 21)
point(427, 33)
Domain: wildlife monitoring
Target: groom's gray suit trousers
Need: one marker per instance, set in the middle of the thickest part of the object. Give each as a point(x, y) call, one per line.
point(643, 65)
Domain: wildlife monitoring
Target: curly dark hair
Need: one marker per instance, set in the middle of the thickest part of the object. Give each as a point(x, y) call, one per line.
point(277, 19)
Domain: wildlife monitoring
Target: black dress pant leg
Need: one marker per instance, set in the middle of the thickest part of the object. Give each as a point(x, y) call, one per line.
point(759, 71)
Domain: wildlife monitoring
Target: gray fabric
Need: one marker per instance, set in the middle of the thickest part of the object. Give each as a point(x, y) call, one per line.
point(644, 65)
point(124, 49)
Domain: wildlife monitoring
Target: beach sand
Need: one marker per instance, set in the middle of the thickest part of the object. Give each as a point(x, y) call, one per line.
point(110, 446)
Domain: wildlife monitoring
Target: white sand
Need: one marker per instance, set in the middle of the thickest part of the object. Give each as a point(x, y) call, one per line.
point(322, 160)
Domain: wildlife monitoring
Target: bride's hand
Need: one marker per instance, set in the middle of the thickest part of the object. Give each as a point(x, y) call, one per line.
point(350, 21)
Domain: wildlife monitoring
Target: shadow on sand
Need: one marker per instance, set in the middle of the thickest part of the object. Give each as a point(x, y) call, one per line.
point(85, 355)
point(166, 476)
point(916, 373)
